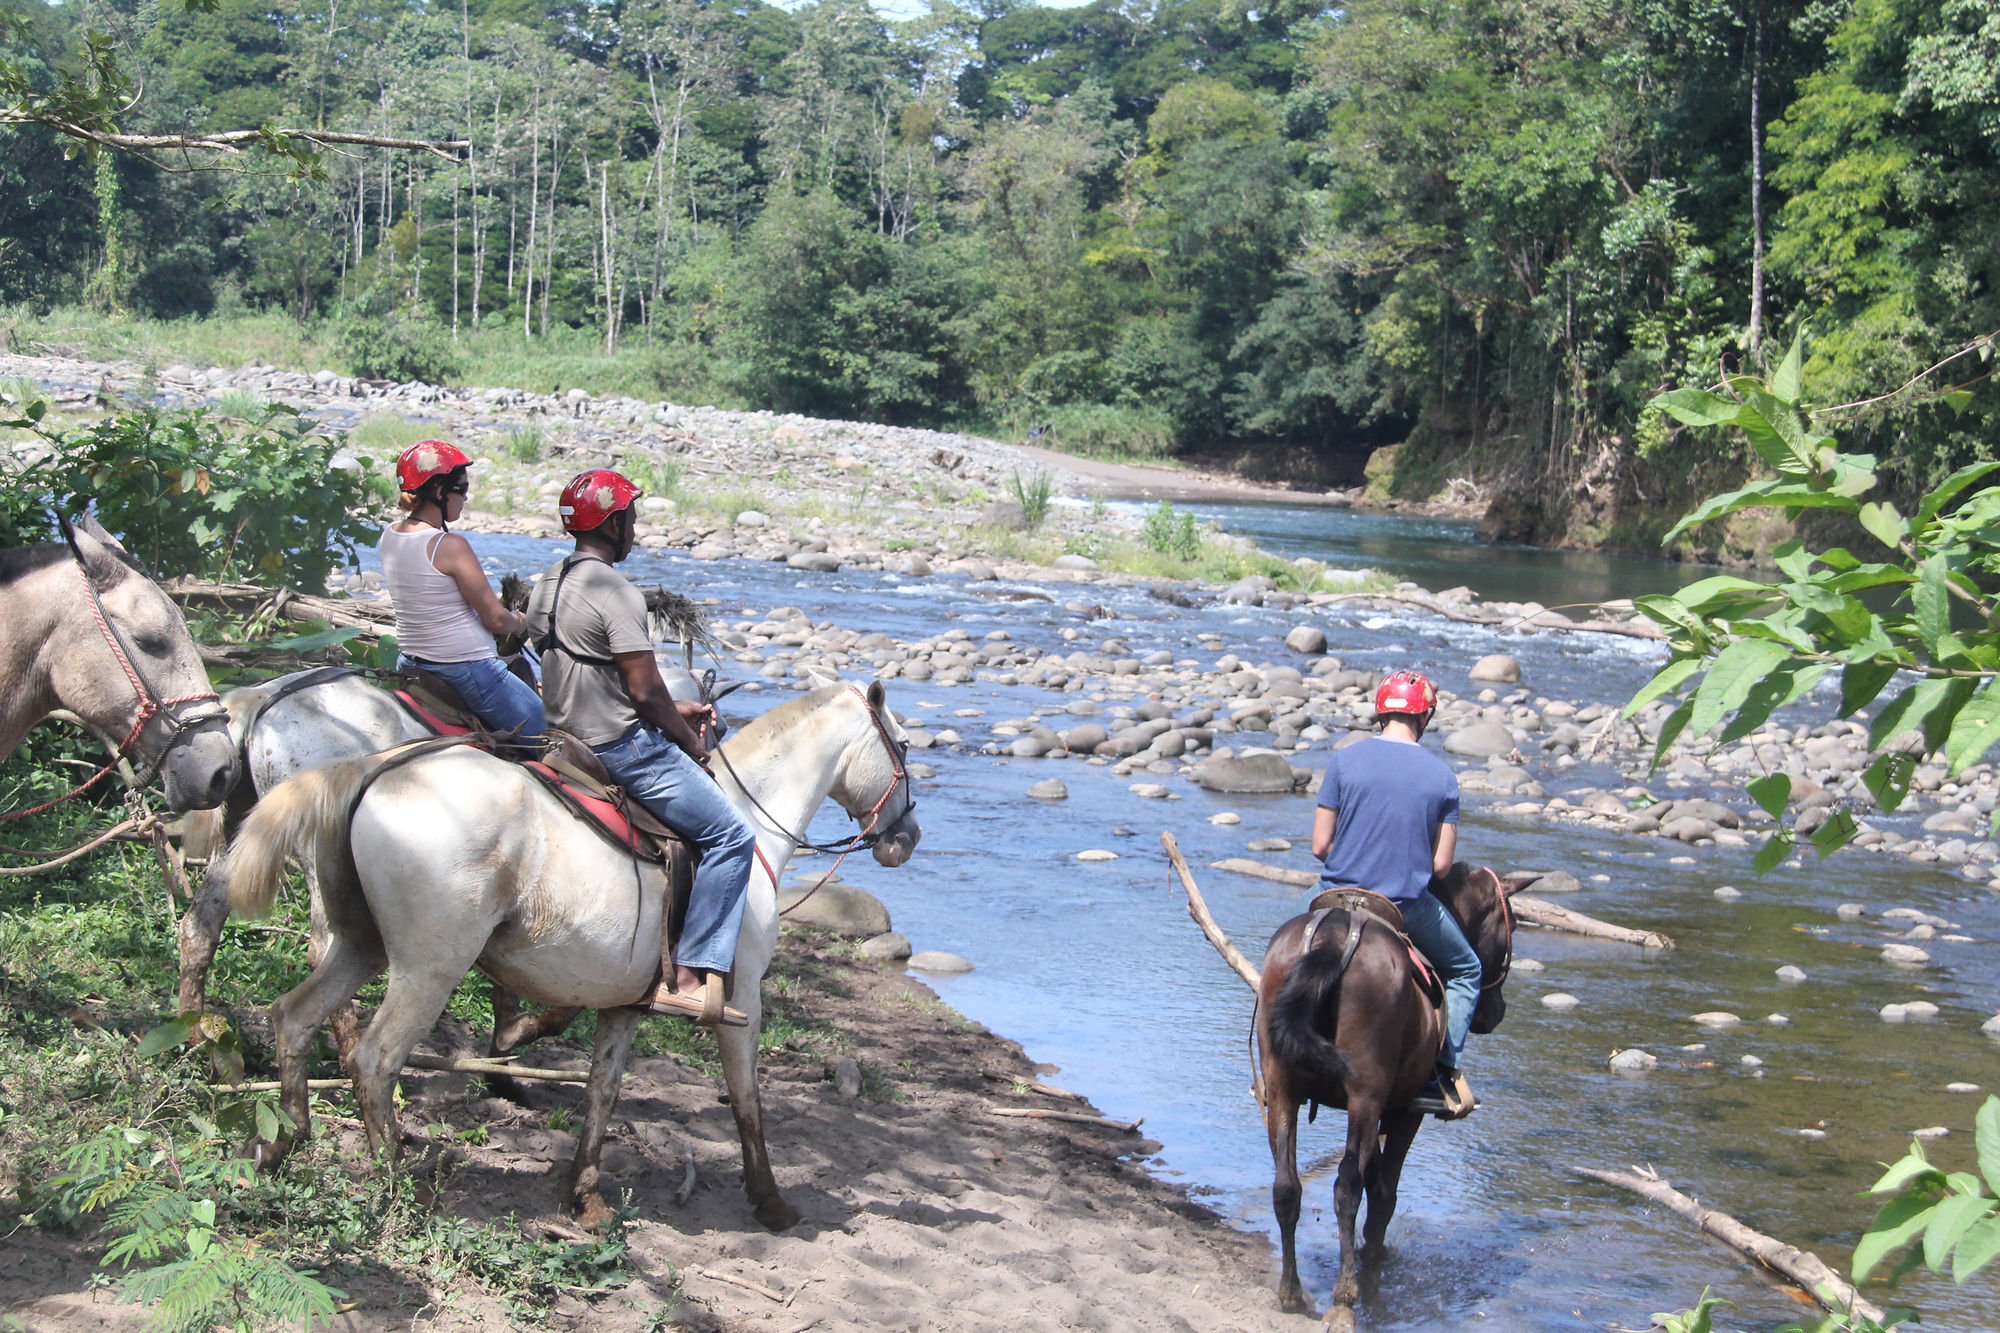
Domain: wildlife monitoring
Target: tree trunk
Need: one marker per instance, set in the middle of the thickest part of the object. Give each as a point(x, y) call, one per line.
point(1756, 181)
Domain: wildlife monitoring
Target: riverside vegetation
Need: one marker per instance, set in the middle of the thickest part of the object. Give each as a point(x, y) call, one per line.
point(1481, 233)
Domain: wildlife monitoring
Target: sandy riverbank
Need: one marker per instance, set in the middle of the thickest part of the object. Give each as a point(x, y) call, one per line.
point(921, 1210)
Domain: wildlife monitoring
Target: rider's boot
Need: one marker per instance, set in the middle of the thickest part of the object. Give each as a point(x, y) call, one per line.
point(1447, 1096)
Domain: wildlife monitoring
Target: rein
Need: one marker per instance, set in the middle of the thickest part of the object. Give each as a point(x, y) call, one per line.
point(150, 706)
point(866, 837)
point(1506, 915)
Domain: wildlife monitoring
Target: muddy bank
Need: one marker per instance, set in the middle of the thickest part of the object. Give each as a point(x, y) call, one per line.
point(920, 1208)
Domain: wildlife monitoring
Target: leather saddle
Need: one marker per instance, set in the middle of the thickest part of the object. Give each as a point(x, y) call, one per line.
point(1362, 902)
point(576, 777)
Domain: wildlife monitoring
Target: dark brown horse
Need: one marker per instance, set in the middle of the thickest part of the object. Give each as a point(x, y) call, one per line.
point(1342, 1021)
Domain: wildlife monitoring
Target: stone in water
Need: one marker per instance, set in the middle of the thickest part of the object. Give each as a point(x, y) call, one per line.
point(1633, 1061)
point(1560, 1000)
point(1716, 1018)
point(1096, 854)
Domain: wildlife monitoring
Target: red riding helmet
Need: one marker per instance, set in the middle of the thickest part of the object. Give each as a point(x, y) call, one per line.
point(1405, 692)
point(426, 459)
point(593, 496)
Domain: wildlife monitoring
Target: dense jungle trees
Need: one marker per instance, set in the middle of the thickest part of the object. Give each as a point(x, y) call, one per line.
point(1491, 230)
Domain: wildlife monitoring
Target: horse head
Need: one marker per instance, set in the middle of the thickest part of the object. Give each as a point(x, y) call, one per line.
point(1477, 899)
point(875, 786)
point(134, 675)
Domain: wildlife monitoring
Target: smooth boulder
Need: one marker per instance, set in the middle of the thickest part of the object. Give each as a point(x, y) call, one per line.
point(1481, 740)
point(934, 960)
point(1049, 789)
point(1245, 774)
point(889, 946)
point(1497, 667)
point(1306, 639)
point(842, 908)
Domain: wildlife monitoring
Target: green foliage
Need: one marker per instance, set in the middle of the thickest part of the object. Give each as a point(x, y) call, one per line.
point(659, 474)
point(265, 502)
point(399, 345)
point(1099, 431)
point(1943, 1217)
point(1033, 493)
point(1913, 610)
point(1171, 534)
point(525, 444)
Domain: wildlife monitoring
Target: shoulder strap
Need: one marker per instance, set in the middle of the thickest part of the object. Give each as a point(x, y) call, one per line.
point(551, 641)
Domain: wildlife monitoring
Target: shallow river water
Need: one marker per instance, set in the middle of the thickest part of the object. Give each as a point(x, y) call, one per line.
point(1097, 970)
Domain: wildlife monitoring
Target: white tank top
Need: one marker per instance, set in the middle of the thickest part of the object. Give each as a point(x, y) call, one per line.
point(433, 620)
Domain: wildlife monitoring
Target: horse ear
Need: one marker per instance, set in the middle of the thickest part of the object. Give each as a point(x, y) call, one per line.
point(96, 550)
point(876, 695)
point(1513, 884)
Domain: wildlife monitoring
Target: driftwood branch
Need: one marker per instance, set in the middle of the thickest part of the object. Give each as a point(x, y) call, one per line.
point(1071, 1117)
point(686, 1189)
point(1536, 911)
point(1044, 1089)
point(1198, 909)
point(1799, 1266)
point(744, 1283)
point(432, 1062)
point(233, 141)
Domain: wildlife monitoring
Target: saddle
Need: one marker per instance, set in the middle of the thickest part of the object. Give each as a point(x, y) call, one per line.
point(436, 701)
point(1363, 902)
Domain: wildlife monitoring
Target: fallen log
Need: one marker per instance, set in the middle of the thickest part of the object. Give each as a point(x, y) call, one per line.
point(1198, 909)
point(1833, 1292)
point(1542, 912)
point(1535, 911)
point(1073, 1117)
point(431, 1062)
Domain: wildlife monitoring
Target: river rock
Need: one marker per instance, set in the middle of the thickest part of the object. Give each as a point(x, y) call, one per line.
point(1096, 854)
point(1226, 817)
point(1480, 740)
point(1729, 893)
point(847, 1078)
point(1792, 974)
point(889, 946)
point(1961, 1087)
point(1081, 564)
point(1954, 821)
point(1555, 881)
point(1715, 1018)
point(1850, 911)
point(1085, 739)
point(1245, 774)
point(1560, 1000)
point(911, 566)
point(934, 960)
point(1031, 747)
point(1270, 845)
point(1991, 1027)
point(1151, 791)
point(1920, 1009)
point(1633, 1061)
point(1306, 639)
point(1049, 789)
point(1529, 965)
point(751, 518)
point(1496, 667)
point(838, 907)
point(1907, 954)
point(819, 562)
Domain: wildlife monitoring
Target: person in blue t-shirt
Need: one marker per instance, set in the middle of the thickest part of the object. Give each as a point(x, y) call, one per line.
point(1387, 822)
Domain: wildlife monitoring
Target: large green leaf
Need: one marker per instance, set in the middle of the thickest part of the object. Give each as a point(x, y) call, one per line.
point(1670, 730)
point(1696, 407)
point(1888, 779)
point(1929, 704)
point(1954, 1217)
point(1974, 730)
point(1884, 524)
point(165, 1037)
point(1706, 596)
point(1771, 792)
point(1900, 1173)
point(1783, 686)
point(1986, 1135)
point(1670, 615)
point(1781, 493)
point(1861, 683)
point(1977, 1249)
point(1932, 602)
point(1947, 490)
point(1773, 851)
point(1901, 1220)
point(1785, 384)
point(1838, 830)
point(1730, 677)
point(1665, 681)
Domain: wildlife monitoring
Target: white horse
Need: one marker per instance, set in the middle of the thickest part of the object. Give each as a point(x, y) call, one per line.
point(84, 630)
point(281, 728)
point(454, 859)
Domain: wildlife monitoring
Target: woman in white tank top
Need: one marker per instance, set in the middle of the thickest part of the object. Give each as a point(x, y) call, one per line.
point(446, 612)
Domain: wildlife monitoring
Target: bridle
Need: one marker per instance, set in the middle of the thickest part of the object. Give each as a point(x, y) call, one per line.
point(150, 707)
point(1507, 916)
point(869, 835)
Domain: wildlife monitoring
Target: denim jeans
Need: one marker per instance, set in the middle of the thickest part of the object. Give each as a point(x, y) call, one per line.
point(496, 696)
point(659, 775)
point(1435, 931)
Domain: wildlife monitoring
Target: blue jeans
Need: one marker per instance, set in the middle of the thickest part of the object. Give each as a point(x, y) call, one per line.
point(659, 775)
point(496, 696)
point(1435, 931)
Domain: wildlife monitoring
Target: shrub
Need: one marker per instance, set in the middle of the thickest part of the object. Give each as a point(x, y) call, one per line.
point(1171, 534)
point(525, 444)
point(265, 503)
point(400, 345)
point(1033, 494)
point(1098, 431)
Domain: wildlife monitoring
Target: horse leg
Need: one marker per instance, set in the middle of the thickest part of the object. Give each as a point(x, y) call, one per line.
point(346, 1024)
point(739, 1071)
point(1281, 1123)
point(1363, 1115)
point(514, 1026)
point(198, 933)
point(1399, 1129)
point(607, 1068)
point(296, 1018)
point(409, 1009)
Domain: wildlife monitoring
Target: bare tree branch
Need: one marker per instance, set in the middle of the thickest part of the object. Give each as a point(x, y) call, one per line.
point(232, 141)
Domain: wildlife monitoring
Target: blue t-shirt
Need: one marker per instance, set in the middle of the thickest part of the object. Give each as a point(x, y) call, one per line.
point(1390, 796)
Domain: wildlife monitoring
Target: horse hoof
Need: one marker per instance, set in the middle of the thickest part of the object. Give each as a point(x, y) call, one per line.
point(1295, 1302)
point(592, 1212)
point(777, 1215)
point(1339, 1319)
point(266, 1156)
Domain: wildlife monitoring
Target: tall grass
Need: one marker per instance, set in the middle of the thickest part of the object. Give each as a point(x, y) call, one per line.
point(1033, 493)
point(1096, 430)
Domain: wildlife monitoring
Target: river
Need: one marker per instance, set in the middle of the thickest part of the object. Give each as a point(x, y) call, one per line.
point(1096, 969)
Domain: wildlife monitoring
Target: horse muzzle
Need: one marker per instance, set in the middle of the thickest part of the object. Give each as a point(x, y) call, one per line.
point(1487, 1015)
point(199, 769)
point(899, 843)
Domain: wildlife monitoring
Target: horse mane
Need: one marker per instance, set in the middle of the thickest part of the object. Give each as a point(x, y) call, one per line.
point(758, 729)
point(17, 562)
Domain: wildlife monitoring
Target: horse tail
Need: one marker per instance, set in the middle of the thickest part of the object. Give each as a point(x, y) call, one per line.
point(307, 814)
point(202, 833)
point(1302, 1018)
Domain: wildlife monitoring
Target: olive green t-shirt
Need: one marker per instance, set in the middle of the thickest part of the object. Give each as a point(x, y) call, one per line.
point(601, 615)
